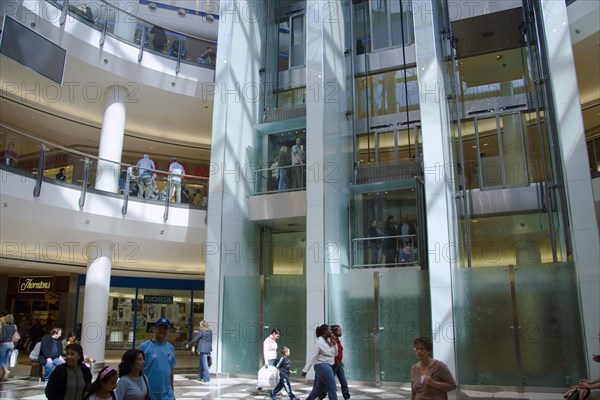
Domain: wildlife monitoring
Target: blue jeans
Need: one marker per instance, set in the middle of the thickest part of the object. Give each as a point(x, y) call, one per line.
point(6, 350)
point(338, 370)
point(324, 382)
point(203, 372)
point(49, 367)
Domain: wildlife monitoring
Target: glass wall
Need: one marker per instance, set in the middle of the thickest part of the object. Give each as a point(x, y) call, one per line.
point(381, 314)
point(392, 214)
point(135, 304)
point(505, 328)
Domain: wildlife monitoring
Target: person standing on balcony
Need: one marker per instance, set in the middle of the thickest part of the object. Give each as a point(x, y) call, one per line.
point(145, 165)
point(297, 163)
point(284, 162)
point(374, 244)
point(9, 156)
point(159, 41)
point(176, 171)
point(389, 244)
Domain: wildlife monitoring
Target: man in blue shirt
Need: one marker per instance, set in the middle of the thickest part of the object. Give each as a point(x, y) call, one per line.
point(145, 165)
point(160, 362)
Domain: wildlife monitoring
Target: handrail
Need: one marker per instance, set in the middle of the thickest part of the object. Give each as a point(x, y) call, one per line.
point(263, 176)
point(79, 153)
point(411, 261)
point(201, 57)
point(89, 166)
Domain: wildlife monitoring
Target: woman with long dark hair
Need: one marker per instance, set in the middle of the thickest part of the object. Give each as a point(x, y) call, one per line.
point(133, 385)
point(103, 388)
point(322, 358)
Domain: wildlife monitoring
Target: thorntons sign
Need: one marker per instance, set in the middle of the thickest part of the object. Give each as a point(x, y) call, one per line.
point(34, 283)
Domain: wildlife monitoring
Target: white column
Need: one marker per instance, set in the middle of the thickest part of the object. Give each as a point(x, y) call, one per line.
point(439, 188)
point(232, 156)
point(328, 155)
point(95, 303)
point(578, 186)
point(111, 139)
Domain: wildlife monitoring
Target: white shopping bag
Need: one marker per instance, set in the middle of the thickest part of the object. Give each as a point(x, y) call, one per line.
point(267, 377)
point(13, 358)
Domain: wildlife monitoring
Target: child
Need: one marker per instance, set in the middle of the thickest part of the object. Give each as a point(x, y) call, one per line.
point(284, 376)
point(104, 385)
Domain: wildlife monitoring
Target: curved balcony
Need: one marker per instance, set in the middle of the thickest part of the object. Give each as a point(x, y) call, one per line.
point(53, 211)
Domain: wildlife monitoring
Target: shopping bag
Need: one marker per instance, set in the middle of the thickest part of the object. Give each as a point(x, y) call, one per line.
point(13, 358)
point(267, 377)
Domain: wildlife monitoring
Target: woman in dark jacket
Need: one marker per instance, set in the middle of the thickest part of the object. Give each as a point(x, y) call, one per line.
point(203, 342)
point(71, 379)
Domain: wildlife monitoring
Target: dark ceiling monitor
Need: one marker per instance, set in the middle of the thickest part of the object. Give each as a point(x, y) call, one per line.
point(32, 50)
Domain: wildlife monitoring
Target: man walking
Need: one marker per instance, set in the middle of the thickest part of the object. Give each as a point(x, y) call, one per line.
point(160, 362)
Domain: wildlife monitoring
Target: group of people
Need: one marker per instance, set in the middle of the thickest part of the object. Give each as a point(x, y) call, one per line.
point(287, 170)
point(147, 186)
point(431, 379)
point(145, 373)
point(178, 47)
point(397, 243)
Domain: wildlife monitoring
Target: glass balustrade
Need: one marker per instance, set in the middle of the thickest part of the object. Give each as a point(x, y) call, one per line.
point(280, 179)
point(29, 156)
point(121, 24)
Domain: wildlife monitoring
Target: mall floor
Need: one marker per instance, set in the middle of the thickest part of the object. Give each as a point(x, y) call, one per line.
point(187, 386)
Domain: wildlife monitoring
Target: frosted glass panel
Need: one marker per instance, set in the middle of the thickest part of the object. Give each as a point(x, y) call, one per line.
point(551, 334)
point(549, 320)
point(404, 314)
point(241, 332)
point(285, 308)
point(351, 306)
point(483, 320)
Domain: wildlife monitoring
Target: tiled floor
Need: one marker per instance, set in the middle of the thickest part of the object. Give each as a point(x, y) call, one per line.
point(188, 387)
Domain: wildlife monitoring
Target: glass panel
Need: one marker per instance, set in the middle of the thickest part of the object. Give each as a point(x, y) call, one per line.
point(241, 333)
point(510, 239)
point(515, 163)
point(379, 21)
point(378, 205)
point(405, 314)
point(283, 53)
point(291, 98)
point(489, 156)
point(297, 41)
point(362, 35)
point(366, 148)
point(483, 317)
point(351, 306)
point(396, 23)
point(551, 333)
point(289, 316)
point(289, 252)
point(387, 146)
point(121, 308)
point(407, 90)
point(536, 139)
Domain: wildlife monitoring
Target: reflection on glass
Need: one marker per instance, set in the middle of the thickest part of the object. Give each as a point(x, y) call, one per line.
point(283, 53)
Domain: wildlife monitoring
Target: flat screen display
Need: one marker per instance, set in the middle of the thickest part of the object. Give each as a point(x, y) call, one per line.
point(32, 50)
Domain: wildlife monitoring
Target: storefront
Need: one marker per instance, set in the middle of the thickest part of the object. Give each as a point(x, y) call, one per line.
point(136, 303)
